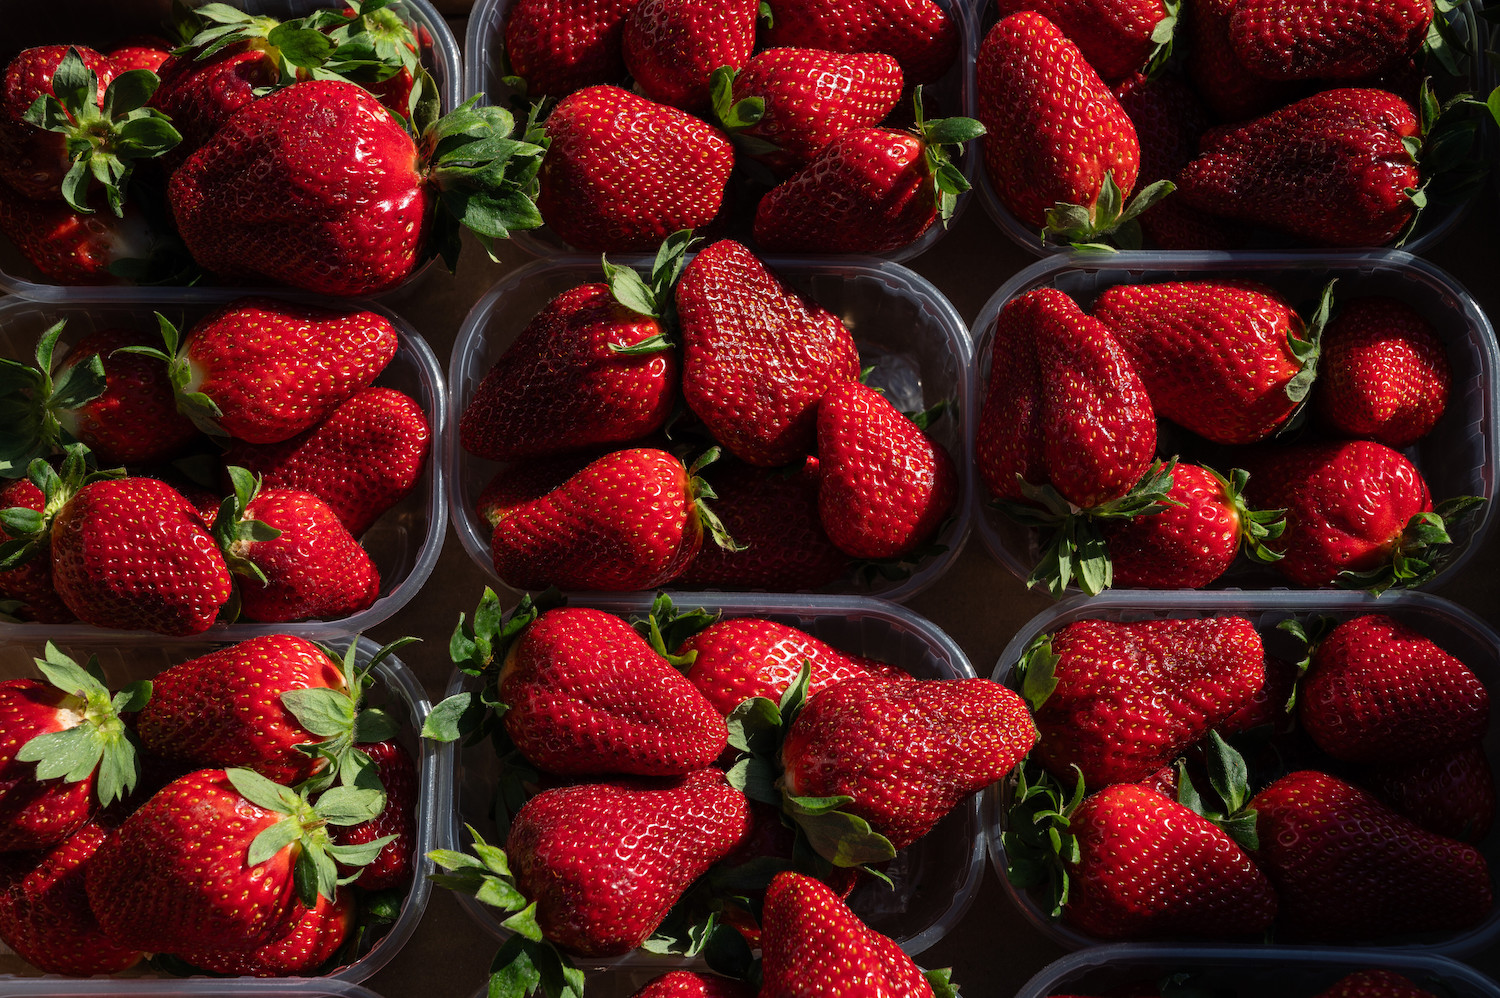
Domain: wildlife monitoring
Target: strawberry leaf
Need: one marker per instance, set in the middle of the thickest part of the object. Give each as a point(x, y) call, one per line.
point(350, 805)
point(323, 712)
point(454, 718)
point(1227, 773)
point(941, 982)
point(70, 755)
point(271, 841)
point(1038, 670)
point(362, 854)
point(263, 793)
point(843, 839)
point(375, 725)
point(524, 923)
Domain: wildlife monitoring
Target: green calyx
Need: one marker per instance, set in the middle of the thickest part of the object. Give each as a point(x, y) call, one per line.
point(1162, 37)
point(1037, 670)
point(105, 139)
point(195, 405)
point(304, 827)
point(1425, 546)
point(1257, 526)
point(1306, 349)
point(1230, 779)
point(943, 139)
point(31, 530)
point(100, 742)
point(1311, 633)
point(235, 533)
point(655, 300)
point(34, 405)
point(1108, 224)
point(1039, 846)
point(665, 628)
point(1449, 147)
point(701, 491)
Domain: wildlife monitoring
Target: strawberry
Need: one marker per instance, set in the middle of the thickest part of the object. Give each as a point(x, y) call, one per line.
point(743, 657)
point(1230, 90)
point(672, 47)
point(886, 487)
point(785, 104)
point(189, 869)
point(1268, 707)
point(1332, 169)
point(1374, 983)
point(686, 984)
point(756, 355)
point(26, 590)
point(1192, 543)
point(1229, 360)
point(920, 34)
point(320, 187)
point(71, 247)
point(1117, 37)
point(559, 46)
point(517, 484)
point(203, 93)
point(1451, 793)
point(1347, 868)
point(1358, 514)
point(139, 52)
point(398, 777)
point(1340, 40)
point(1379, 691)
point(44, 911)
point(905, 750)
point(1385, 373)
point(1165, 682)
point(63, 750)
point(594, 366)
point(316, 936)
point(623, 173)
point(363, 459)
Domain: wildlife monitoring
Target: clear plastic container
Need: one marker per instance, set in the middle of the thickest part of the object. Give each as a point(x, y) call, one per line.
point(903, 326)
point(484, 50)
point(103, 22)
point(1456, 458)
point(395, 689)
point(285, 987)
point(1244, 971)
point(1453, 628)
point(404, 543)
point(936, 878)
point(1436, 221)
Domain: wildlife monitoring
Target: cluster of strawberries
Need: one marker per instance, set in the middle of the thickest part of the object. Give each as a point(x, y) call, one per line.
point(747, 793)
point(1360, 827)
point(313, 454)
point(1067, 437)
point(824, 469)
point(1302, 121)
point(713, 128)
point(242, 813)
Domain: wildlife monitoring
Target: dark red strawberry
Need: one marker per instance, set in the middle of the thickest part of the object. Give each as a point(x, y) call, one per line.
point(1117, 37)
point(314, 939)
point(1451, 793)
point(672, 47)
point(559, 46)
point(1374, 983)
point(920, 34)
point(139, 52)
point(30, 584)
point(687, 984)
point(517, 484)
point(1339, 40)
point(34, 160)
point(1385, 374)
point(398, 777)
point(70, 247)
point(1222, 81)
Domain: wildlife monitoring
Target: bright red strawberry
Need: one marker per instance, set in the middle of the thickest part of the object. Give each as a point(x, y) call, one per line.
point(1347, 868)
point(672, 47)
point(906, 750)
point(1117, 37)
point(807, 99)
point(44, 911)
point(70, 247)
point(757, 355)
point(1332, 169)
point(813, 945)
point(1191, 544)
point(745, 657)
point(1226, 86)
point(1379, 691)
point(686, 984)
point(140, 52)
point(30, 583)
point(1229, 360)
point(517, 484)
point(1120, 700)
point(886, 487)
point(1337, 40)
point(1451, 793)
point(314, 939)
point(398, 777)
point(1385, 374)
point(1374, 984)
point(623, 173)
point(920, 34)
point(559, 46)
point(33, 160)
point(362, 460)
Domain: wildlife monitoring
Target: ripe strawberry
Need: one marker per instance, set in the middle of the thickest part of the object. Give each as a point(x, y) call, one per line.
point(139, 52)
point(1230, 90)
point(1341, 40)
point(29, 585)
point(905, 750)
point(757, 356)
point(1268, 708)
point(188, 871)
point(1379, 691)
point(743, 657)
point(320, 187)
point(1374, 983)
point(362, 460)
point(70, 247)
point(517, 484)
point(1164, 684)
point(672, 47)
point(786, 104)
point(203, 94)
point(1229, 360)
point(1332, 169)
point(921, 35)
point(623, 173)
point(559, 46)
point(34, 160)
point(1451, 793)
point(1347, 868)
point(686, 984)
point(1358, 513)
point(1385, 373)
point(886, 487)
point(814, 945)
point(1117, 37)
point(398, 777)
point(44, 912)
point(1189, 545)
point(317, 935)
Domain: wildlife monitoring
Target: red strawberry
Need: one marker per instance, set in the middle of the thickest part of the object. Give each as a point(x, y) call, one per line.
point(1268, 708)
point(686, 984)
point(1117, 37)
point(1385, 374)
point(1347, 868)
point(757, 356)
point(44, 911)
point(30, 583)
point(1339, 40)
point(921, 35)
point(623, 173)
point(559, 46)
point(1122, 700)
point(745, 657)
point(517, 484)
point(33, 160)
point(203, 94)
point(906, 750)
point(813, 945)
point(1226, 86)
point(1374, 984)
point(1332, 169)
point(362, 460)
point(314, 939)
point(672, 47)
point(398, 777)
point(140, 52)
point(1451, 793)
point(886, 487)
point(1379, 691)
point(70, 247)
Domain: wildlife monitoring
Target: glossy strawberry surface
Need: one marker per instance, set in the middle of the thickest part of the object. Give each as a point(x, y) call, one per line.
point(136, 420)
point(1113, 35)
point(745, 657)
point(1328, 40)
point(671, 47)
point(314, 569)
point(38, 814)
point(920, 34)
point(687, 984)
point(312, 942)
point(1384, 373)
point(558, 46)
point(1185, 546)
